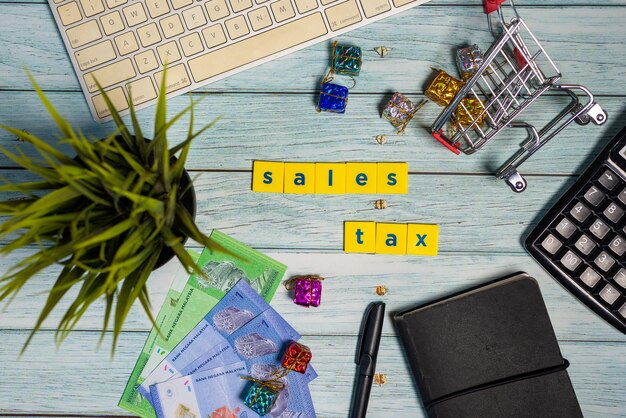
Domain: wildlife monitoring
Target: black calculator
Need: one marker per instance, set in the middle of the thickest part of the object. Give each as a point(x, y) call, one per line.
point(582, 240)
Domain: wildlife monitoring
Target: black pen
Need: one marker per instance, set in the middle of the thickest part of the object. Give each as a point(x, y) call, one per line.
point(367, 353)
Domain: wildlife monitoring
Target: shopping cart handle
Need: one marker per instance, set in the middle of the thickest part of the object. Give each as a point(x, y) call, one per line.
point(492, 5)
point(439, 137)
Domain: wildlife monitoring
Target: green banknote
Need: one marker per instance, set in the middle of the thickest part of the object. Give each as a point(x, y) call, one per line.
point(188, 302)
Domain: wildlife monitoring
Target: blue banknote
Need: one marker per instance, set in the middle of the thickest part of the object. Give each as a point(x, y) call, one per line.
point(260, 345)
point(239, 306)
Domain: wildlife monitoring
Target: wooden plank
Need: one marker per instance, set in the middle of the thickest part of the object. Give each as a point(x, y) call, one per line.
point(584, 41)
point(409, 281)
point(84, 381)
point(302, 134)
point(315, 222)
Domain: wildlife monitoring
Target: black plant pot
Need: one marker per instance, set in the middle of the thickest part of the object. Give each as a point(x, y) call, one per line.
point(189, 202)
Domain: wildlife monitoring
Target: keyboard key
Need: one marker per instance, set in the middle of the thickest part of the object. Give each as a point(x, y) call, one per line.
point(400, 3)
point(613, 213)
point(604, 261)
point(622, 310)
point(111, 74)
point(92, 7)
point(117, 97)
point(112, 23)
point(343, 15)
point(176, 78)
point(327, 2)
point(214, 36)
point(69, 13)
point(217, 9)
point(594, 196)
point(168, 53)
point(135, 14)
point(566, 228)
point(194, 17)
point(622, 196)
point(585, 244)
point(157, 8)
point(617, 245)
point(146, 61)
point(114, 3)
point(260, 18)
point(609, 179)
point(580, 212)
point(570, 261)
point(620, 278)
point(141, 91)
point(599, 229)
point(192, 44)
point(149, 34)
point(240, 5)
point(84, 33)
point(551, 244)
point(304, 6)
point(126, 43)
point(590, 277)
point(237, 27)
point(373, 8)
point(282, 10)
point(609, 294)
point(172, 26)
point(179, 4)
point(257, 47)
point(95, 55)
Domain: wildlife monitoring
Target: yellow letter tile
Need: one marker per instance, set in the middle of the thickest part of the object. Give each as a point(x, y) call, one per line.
point(267, 176)
point(330, 178)
point(361, 178)
point(390, 238)
point(422, 239)
point(299, 177)
point(393, 178)
point(359, 237)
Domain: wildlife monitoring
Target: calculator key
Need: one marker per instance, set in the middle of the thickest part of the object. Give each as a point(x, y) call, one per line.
point(609, 179)
point(622, 196)
point(613, 213)
point(599, 229)
point(580, 212)
point(609, 294)
point(617, 245)
point(566, 228)
point(551, 244)
point(620, 278)
point(571, 261)
point(590, 277)
point(585, 244)
point(604, 261)
point(594, 196)
point(622, 310)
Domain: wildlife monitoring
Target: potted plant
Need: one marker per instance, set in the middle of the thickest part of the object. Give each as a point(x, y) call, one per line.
point(109, 216)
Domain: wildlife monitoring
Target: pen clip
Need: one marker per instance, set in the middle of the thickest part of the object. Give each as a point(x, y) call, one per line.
point(364, 326)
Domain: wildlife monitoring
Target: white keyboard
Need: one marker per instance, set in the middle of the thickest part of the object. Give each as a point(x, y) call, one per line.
point(124, 44)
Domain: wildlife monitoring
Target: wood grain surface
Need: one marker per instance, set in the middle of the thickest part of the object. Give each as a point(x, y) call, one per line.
point(268, 113)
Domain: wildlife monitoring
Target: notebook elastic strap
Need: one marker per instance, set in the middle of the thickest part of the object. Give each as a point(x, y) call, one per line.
point(499, 382)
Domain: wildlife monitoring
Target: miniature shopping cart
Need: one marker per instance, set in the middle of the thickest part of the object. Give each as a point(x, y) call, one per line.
point(515, 72)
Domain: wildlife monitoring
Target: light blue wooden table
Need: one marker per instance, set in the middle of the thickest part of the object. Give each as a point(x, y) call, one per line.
point(269, 113)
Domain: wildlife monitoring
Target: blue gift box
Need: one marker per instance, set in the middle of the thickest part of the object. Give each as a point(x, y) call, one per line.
point(333, 98)
point(346, 59)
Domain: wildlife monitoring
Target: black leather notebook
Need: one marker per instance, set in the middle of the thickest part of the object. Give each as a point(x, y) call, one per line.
point(488, 352)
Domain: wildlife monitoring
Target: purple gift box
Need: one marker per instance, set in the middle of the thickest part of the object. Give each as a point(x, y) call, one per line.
point(308, 291)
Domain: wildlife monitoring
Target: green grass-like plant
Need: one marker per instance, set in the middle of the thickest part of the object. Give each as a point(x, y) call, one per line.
point(104, 216)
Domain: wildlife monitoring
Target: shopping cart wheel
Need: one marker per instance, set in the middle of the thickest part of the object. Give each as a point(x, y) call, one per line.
point(516, 182)
point(596, 114)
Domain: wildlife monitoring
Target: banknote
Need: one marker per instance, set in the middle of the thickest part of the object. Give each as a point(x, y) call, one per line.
point(187, 304)
point(240, 305)
point(260, 345)
point(206, 394)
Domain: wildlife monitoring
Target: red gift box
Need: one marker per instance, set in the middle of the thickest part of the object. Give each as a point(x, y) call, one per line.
point(297, 357)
